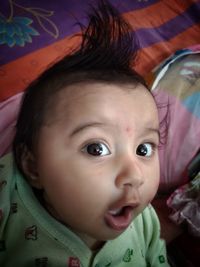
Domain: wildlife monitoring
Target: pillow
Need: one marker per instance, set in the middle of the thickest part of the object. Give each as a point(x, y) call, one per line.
point(177, 92)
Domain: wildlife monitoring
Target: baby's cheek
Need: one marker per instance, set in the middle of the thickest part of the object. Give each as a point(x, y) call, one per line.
point(151, 192)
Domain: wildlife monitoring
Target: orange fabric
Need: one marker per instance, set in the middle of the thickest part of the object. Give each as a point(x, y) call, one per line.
point(153, 55)
point(17, 75)
point(157, 14)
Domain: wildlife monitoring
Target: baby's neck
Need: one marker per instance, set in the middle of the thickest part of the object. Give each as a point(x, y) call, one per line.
point(93, 244)
point(97, 246)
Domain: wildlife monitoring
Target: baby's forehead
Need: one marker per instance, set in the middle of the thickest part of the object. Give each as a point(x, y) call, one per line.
point(62, 87)
point(69, 100)
point(82, 90)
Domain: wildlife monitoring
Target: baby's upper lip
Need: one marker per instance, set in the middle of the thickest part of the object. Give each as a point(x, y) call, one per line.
point(117, 208)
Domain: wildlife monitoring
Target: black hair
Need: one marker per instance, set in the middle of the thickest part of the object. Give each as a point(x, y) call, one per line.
point(106, 54)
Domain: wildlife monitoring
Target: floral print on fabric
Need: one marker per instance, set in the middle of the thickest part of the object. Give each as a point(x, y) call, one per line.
point(18, 30)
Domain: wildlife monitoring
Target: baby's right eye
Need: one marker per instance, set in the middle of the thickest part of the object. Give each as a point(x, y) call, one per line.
point(96, 149)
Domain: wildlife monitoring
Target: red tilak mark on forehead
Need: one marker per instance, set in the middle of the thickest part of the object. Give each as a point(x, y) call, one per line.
point(128, 129)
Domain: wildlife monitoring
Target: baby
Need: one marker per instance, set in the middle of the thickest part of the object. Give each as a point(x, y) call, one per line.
point(84, 168)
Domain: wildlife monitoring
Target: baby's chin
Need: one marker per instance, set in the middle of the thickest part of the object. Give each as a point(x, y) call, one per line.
point(99, 238)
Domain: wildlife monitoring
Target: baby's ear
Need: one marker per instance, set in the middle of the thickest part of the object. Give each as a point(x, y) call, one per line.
point(29, 167)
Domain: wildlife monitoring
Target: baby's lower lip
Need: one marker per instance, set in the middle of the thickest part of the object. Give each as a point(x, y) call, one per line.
point(120, 222)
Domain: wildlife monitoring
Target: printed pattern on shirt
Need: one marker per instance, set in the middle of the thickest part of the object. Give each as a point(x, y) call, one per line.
point(128, 255)
point(2, 184)
point(161, 259)
point(31, 233)
point(73, 262)
point(13, 208)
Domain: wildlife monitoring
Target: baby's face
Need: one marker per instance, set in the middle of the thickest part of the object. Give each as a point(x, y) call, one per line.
point(97, 158)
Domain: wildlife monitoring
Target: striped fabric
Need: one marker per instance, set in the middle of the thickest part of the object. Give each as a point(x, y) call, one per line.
point(46, 28)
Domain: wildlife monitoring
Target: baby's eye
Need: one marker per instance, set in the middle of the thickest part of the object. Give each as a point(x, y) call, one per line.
point(96, 149)
point(145, 150)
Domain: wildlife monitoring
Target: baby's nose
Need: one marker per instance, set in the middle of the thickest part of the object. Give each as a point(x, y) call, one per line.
point(129, 174)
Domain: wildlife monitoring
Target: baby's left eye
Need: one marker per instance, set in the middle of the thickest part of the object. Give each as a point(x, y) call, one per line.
point(145, 150)
point(96, 149)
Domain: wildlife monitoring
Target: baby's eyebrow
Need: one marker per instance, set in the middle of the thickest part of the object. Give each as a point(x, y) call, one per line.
point(85, 126)
point(153, 130)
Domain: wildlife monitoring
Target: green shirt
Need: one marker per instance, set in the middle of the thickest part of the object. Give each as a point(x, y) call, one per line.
point(31, 237)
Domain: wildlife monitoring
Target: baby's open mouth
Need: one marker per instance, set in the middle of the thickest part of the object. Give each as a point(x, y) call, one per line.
point(117, 212)
point(119, 218)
